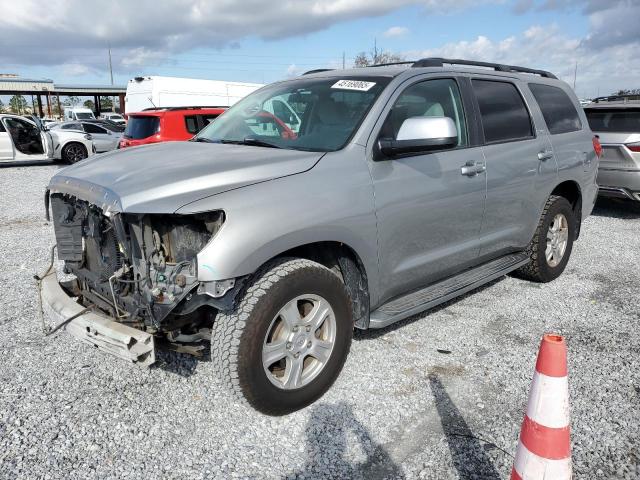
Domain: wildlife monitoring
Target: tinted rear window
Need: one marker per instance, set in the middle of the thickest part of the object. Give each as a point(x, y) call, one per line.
point(504, 114)
point(614, 120)
point(141, 127)
point(557, 108)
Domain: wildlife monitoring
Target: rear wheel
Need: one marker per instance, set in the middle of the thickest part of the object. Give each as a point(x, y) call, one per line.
point(552, 242)
point(73, 152)
point(285, 343)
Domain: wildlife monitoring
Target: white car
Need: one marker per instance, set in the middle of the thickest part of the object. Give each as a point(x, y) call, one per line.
point(24, 139)
point(105, 136)
point(114, 117)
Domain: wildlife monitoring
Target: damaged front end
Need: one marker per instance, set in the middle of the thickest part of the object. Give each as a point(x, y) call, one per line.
point(141, 269)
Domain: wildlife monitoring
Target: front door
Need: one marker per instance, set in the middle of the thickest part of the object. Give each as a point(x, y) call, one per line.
point(6, 145)
point(26, 138)
point(429, 212)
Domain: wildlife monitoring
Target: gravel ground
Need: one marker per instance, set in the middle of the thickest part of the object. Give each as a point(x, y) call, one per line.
point(438, 396)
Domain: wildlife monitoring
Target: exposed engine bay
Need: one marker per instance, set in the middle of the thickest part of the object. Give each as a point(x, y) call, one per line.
point(141, 269)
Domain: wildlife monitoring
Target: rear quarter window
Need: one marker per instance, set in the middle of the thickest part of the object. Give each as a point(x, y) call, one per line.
point(558, 110)
point(503, 112)
point(191, 123)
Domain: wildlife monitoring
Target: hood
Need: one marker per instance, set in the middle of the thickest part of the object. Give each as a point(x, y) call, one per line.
point(162, 177)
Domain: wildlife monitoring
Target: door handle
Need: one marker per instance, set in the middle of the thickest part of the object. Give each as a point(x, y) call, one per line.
point(545, 155)
point(471, 169)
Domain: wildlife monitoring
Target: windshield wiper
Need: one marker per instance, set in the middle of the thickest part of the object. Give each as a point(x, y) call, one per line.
point(202, 139)
point(251, 141)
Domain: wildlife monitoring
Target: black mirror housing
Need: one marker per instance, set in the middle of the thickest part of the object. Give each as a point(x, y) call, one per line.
point(391, 148)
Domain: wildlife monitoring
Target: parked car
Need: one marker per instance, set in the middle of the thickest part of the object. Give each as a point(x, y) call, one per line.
point(114, 117)
point(167, 124)
point(25, 139)
point(616, 120)
point(104, 136)
point(402, 188)
point(108, 124)
point(77, 113)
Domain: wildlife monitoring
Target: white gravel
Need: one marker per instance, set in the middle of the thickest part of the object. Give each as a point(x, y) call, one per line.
point(400, 409)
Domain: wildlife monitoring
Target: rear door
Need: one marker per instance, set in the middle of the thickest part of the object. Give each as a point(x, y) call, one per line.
point(103, 139)
point(519, 162)
point(6, 145)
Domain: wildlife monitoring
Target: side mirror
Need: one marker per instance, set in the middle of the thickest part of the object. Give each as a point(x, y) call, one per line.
point(421, 134)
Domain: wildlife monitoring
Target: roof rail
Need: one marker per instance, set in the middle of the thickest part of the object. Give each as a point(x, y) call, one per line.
point(408, 62)
point(613, 98)
point(318, 70)
point(190, 107)
point(499, 67)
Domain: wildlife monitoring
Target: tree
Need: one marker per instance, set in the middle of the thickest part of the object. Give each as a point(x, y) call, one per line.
point(364, 59)
point(72, 101)
point(89, 104)
point(1, 106)
point(634, 91)
point(105, 103)
point(18, 104)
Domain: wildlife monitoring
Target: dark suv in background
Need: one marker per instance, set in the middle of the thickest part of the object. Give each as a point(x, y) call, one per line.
point(166, 124)
point(616, 120)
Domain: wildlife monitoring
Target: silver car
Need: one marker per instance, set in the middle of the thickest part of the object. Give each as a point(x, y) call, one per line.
point(616, 120)
point(399, 188)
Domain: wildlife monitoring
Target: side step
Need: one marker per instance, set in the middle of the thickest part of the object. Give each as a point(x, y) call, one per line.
point(421, 300)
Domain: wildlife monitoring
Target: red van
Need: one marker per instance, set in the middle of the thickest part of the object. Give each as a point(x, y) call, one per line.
point(164, 124)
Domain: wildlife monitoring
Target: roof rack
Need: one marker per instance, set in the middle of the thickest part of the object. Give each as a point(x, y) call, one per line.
point(613, 98)
point(190, 107)
point(499, 67)
point(318, 70)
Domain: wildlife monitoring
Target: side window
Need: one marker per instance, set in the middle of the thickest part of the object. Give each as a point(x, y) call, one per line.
point(504, 115)
point(191, 122)
point(71, 126)
point(91, 128)
point(431, 98)
point(557, 108)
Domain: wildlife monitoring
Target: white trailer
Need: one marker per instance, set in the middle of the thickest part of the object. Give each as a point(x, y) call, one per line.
point(156, 92)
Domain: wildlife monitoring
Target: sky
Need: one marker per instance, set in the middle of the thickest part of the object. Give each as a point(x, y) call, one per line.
point(263, 41)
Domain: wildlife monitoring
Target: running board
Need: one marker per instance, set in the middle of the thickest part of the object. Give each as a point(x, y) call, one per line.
point(421, 300)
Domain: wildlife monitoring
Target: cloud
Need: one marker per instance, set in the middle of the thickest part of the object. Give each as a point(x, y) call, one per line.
point(148, 31)
point(395, 32)
point(606, 67)
point(293, 70)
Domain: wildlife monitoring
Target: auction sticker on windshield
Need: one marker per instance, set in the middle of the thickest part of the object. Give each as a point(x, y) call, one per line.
point(353, 85)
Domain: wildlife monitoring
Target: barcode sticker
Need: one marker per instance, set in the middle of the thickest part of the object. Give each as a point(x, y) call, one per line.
point(353, 85)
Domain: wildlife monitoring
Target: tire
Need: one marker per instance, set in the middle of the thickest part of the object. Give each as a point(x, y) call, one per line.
point(240, 337)
point(540, 268)
point(73, 152)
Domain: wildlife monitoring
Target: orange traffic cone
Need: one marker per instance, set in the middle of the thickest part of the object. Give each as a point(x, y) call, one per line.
point(544, 450)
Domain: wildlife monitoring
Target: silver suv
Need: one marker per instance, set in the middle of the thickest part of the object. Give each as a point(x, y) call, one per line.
point(392, 189)
point(616, 120)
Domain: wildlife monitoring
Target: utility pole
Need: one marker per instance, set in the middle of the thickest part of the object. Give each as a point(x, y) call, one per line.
point(113, 99)
point(575, 74)
point(343, 60)
point(375, 50)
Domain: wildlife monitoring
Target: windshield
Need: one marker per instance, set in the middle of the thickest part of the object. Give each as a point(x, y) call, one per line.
point(83, 115)
point(142, 126)
point(614, 120)
point(305, 114)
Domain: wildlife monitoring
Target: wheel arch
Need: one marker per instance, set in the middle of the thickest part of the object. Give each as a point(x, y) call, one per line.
point(571, 190)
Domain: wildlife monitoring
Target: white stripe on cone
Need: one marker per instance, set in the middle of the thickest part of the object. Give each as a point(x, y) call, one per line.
point(549, 401)
point(532, 467)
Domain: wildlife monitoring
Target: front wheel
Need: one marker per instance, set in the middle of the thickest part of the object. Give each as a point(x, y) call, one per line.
point(552, 242)
point(73, 152)
point(286, 341)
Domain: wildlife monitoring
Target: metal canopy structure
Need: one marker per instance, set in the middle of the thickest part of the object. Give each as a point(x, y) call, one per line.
point(15, 85)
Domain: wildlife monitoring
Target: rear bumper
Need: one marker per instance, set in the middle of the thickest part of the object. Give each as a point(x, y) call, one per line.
point(619, 183)
point(95, 329)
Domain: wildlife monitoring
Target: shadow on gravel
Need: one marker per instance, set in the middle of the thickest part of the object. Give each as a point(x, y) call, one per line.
point(372, 333)
point(328, 430)
point(469, 457)
point(179, 363)
point(616, 208)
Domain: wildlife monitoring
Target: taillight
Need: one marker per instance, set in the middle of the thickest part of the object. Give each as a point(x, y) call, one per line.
point(634, 147)
point(596, 146)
